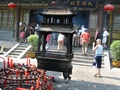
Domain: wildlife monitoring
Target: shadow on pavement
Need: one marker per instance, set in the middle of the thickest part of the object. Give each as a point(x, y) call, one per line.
point(114, 78)
point(83, 85)
point(80, 84)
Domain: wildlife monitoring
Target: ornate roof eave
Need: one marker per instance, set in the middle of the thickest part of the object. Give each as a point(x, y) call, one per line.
point(57, 11)
point(57, 14)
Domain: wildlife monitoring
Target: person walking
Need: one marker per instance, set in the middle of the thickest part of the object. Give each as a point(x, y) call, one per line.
point(98, 48)
point(105, 35)
point(85, 39)
point(48, 40)
point(32, 30)
point(60, 41)
point(76, 36)
point(27, 33)
point(22, 35)
point(98, 34)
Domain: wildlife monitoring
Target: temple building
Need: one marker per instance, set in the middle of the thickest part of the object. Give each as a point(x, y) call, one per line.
point(89, 13)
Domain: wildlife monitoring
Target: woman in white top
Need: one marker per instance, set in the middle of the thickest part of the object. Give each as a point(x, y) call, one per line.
point(60, 41)
point(105, 35)
point(98, 55)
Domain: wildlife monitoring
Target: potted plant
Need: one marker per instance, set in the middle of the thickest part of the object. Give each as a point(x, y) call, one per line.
point(115, 51)
point(33, 41)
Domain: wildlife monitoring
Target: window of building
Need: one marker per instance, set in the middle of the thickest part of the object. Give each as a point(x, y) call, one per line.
point(7, 19)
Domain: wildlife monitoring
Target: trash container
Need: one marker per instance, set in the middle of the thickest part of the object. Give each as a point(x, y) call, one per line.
point(1, 47)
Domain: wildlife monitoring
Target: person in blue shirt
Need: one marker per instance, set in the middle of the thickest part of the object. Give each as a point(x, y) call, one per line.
point(98, 48)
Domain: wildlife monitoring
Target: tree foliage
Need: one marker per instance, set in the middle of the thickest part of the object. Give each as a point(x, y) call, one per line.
point(115, 49)
point(33, 41)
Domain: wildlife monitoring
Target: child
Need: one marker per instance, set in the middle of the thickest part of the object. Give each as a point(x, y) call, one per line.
point(22, 35)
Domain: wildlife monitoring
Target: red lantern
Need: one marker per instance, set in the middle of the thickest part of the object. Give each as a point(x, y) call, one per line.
point(108, 7)
point(12, 5)
point(53, 4)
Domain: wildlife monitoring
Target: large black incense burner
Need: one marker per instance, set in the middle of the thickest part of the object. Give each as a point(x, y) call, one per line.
point(56, 20)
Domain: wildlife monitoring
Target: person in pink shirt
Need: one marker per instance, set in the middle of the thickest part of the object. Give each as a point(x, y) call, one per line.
point(48, 40)
point(22, 35)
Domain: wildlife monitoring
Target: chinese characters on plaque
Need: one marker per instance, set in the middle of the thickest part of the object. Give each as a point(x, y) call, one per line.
point(83, 4)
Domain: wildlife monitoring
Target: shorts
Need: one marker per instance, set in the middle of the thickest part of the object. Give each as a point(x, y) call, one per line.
point(60, 41)
point(104, 40)
point(98, 61)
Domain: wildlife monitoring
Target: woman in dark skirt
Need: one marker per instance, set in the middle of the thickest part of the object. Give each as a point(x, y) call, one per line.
point(27, 33)
point(98, 55)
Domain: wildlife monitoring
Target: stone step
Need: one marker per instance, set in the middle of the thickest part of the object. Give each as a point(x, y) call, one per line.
point(20, 50)
point(85, 61)
point(80, 53)
point(15, 53)
point(17, 50)
point(85, 64)
point(23, 45)
point(13, 56)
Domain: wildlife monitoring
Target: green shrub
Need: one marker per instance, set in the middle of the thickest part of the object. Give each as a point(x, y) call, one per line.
point(33, 41)
point(115, 49)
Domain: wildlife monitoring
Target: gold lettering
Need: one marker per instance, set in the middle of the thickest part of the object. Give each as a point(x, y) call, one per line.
point(72, 3)
point(78, 2)
point(90, 4)
point(84, 3)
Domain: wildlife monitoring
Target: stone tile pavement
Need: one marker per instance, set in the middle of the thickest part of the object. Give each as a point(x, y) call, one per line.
point(82, 77)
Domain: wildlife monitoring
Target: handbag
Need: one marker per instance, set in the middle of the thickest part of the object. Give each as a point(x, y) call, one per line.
point(94, 62)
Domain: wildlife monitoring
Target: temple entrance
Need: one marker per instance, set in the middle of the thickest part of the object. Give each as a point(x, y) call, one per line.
point(82, 18)
point(35, 17)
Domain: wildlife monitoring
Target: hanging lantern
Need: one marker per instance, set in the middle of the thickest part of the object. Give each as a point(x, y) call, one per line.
point(108, 7)
point(12, 5)
point(53, 3)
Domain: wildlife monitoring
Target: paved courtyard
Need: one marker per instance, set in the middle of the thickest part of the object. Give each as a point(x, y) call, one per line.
point(82, 76)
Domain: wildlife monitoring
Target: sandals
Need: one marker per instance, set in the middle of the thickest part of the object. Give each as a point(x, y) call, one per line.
point(97, 75)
